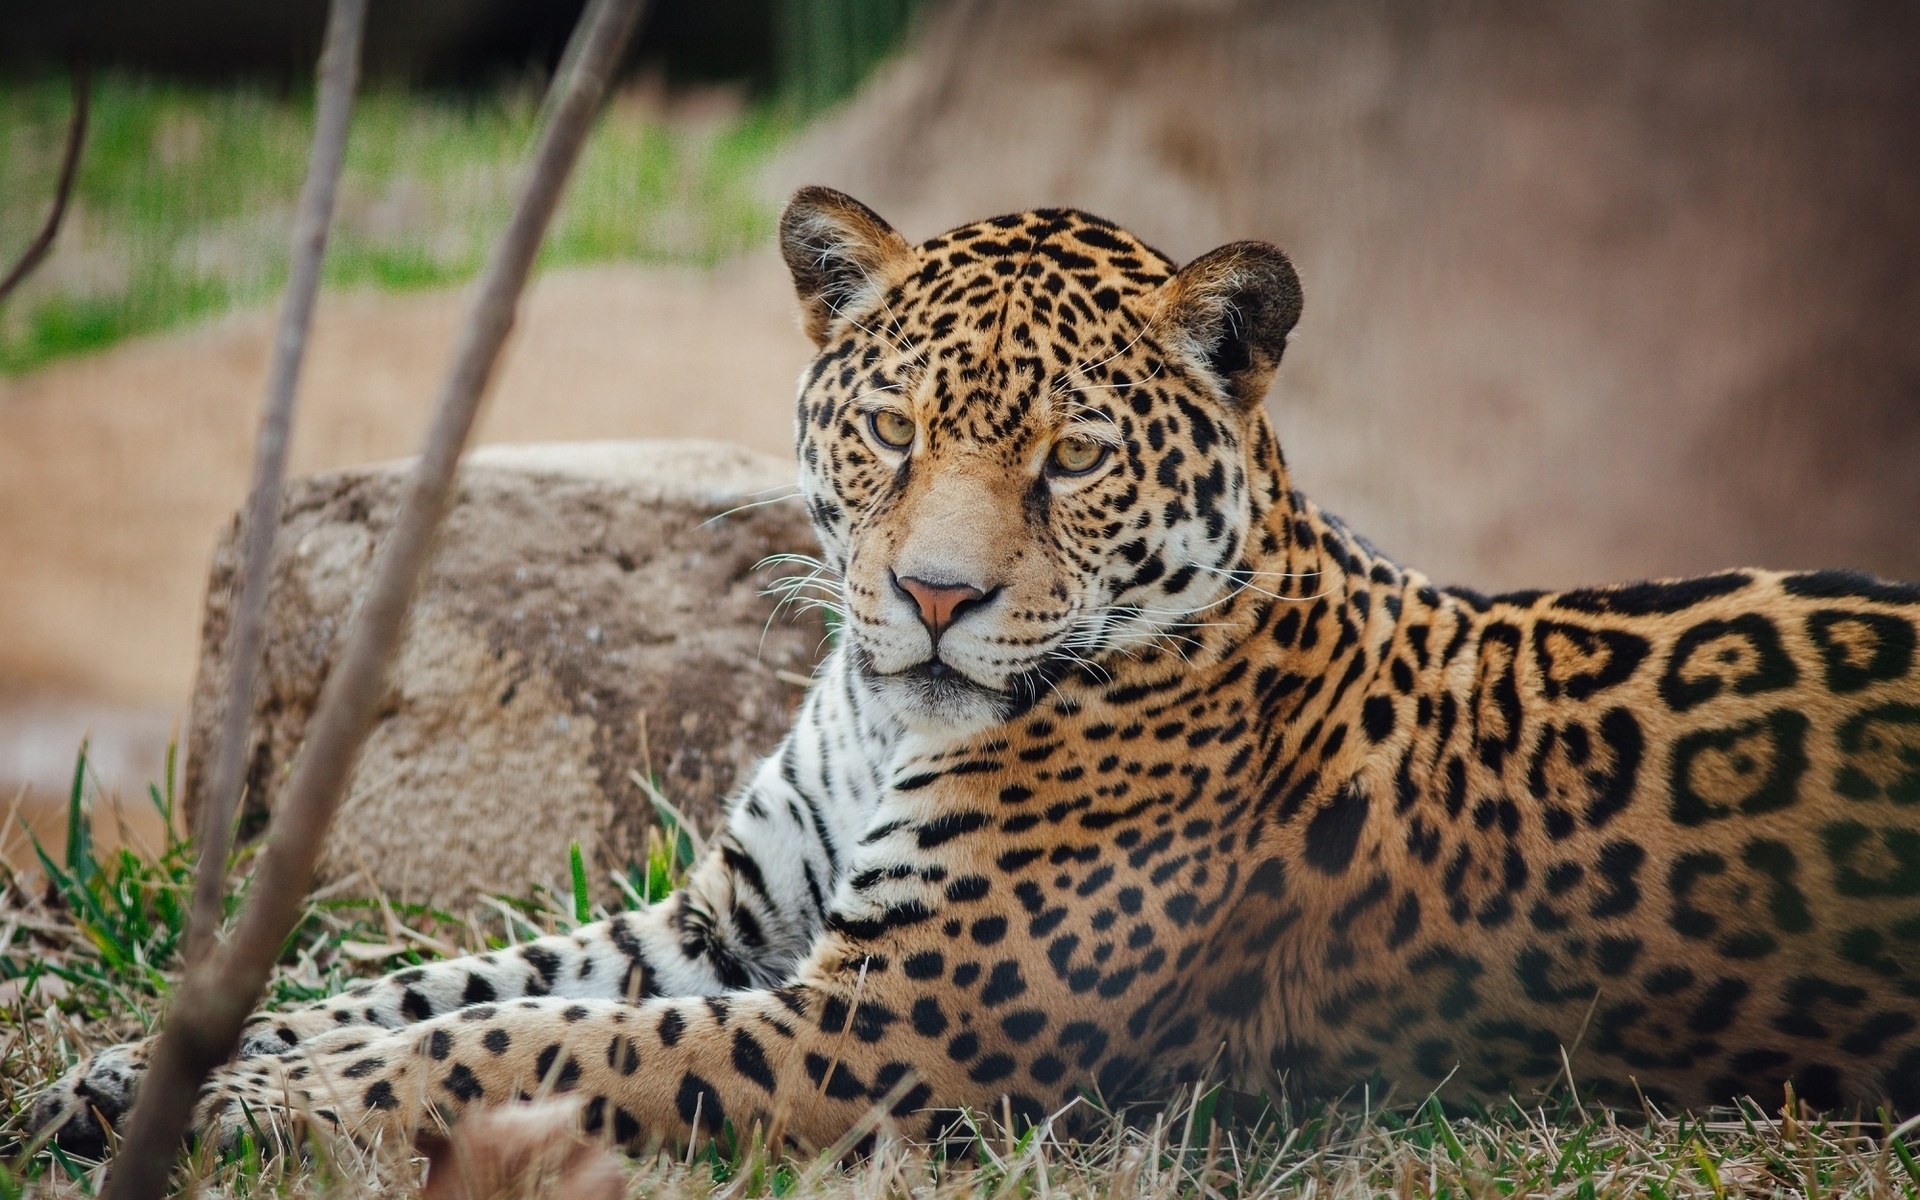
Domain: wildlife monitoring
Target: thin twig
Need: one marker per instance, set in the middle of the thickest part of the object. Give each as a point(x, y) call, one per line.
point(214, 1000)
point(213, 835)
point(63, 192)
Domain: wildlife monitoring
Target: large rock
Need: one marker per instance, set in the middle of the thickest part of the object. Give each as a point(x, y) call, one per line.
point(594, 608)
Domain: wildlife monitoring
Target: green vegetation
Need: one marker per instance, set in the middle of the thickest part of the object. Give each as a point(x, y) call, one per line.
point(88, 952)
point(827, 47)
point(185, 196)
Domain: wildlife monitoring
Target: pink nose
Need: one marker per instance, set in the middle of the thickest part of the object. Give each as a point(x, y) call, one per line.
point(940, 604)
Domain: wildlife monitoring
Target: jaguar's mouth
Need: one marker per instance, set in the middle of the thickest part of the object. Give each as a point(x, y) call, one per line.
point(940, 683)
point(937, 670)
point(933, 694)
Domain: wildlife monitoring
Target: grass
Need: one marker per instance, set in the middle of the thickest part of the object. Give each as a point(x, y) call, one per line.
point(88, 951)
point(185, 197)
point(90, 946)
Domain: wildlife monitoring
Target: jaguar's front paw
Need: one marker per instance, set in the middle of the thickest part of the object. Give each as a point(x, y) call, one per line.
point(91, 1099)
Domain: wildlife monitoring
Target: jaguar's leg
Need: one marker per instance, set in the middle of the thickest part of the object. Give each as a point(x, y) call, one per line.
point(610, 960)
point(645, 1074)
point(917, 976)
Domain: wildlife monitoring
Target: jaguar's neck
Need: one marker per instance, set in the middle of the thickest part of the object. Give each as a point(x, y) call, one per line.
point(1307, 588)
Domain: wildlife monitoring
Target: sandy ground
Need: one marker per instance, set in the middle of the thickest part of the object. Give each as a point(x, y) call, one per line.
point(117, 471)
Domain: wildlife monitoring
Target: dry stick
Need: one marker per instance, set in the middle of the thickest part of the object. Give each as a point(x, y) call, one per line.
point(339, 77)
point(69, 171)
point(214, 1000)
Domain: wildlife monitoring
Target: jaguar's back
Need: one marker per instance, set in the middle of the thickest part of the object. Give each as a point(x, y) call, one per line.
point(1668, 826)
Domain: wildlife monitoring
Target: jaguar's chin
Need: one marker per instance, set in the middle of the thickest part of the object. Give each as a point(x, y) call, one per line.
point(936, 697)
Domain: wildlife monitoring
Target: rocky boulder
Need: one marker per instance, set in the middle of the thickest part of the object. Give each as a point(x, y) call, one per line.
point(595, 611)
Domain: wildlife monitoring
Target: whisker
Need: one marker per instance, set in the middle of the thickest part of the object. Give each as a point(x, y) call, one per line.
point(894, 318)
point(891, 387)
point(1237, 571)
point(1083, 368)
point(817, 589)
point(1116, 387)
point(898, 346)
point(792, 491)
point(1247, 584)
point(805, 604)
point(786, 556)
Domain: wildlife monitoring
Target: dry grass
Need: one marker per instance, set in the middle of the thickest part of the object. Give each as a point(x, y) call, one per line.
point(87, 954)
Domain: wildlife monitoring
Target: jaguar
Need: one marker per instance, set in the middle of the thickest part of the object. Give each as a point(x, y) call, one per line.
point(1133, 766)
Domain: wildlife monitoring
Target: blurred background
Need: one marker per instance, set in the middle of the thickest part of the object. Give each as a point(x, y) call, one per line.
point(1596, 289)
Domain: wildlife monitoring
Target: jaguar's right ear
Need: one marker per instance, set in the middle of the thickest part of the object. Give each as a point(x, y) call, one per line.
point(842, 255)
point(1229, 311)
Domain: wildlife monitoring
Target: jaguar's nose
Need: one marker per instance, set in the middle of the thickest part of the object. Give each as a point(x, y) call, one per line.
point(940, 604)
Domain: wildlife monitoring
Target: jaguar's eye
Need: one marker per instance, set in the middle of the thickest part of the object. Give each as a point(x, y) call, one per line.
point(1077, 456)
point(895, 430)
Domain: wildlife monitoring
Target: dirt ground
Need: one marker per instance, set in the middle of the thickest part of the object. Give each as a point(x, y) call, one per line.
point(117, 471)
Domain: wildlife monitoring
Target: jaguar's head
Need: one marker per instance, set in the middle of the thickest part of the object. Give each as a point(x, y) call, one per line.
point(1028, 445)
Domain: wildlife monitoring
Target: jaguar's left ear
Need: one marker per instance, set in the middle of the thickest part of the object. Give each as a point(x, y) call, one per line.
point(1229, 311)
point(843, 257)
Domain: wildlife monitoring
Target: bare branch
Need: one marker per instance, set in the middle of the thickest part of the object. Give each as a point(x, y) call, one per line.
point(339, 78)
point(69, 171)
point(214, 999)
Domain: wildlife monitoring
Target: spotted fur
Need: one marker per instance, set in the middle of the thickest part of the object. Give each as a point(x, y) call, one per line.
point(1123, 772)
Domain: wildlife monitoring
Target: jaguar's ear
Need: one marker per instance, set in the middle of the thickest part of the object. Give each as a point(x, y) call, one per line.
point(1229, 311)
point(842, 255)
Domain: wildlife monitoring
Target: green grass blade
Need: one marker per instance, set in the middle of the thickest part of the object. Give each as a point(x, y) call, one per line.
point(582, 903)
point(1906, 1161)
point(164, 800)
point(659, 873)
point(80, 898)
point(1709, 1170)
point(79, 823)
point(1443, 1130)
point(1569, 1155)
point(74, 1170)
